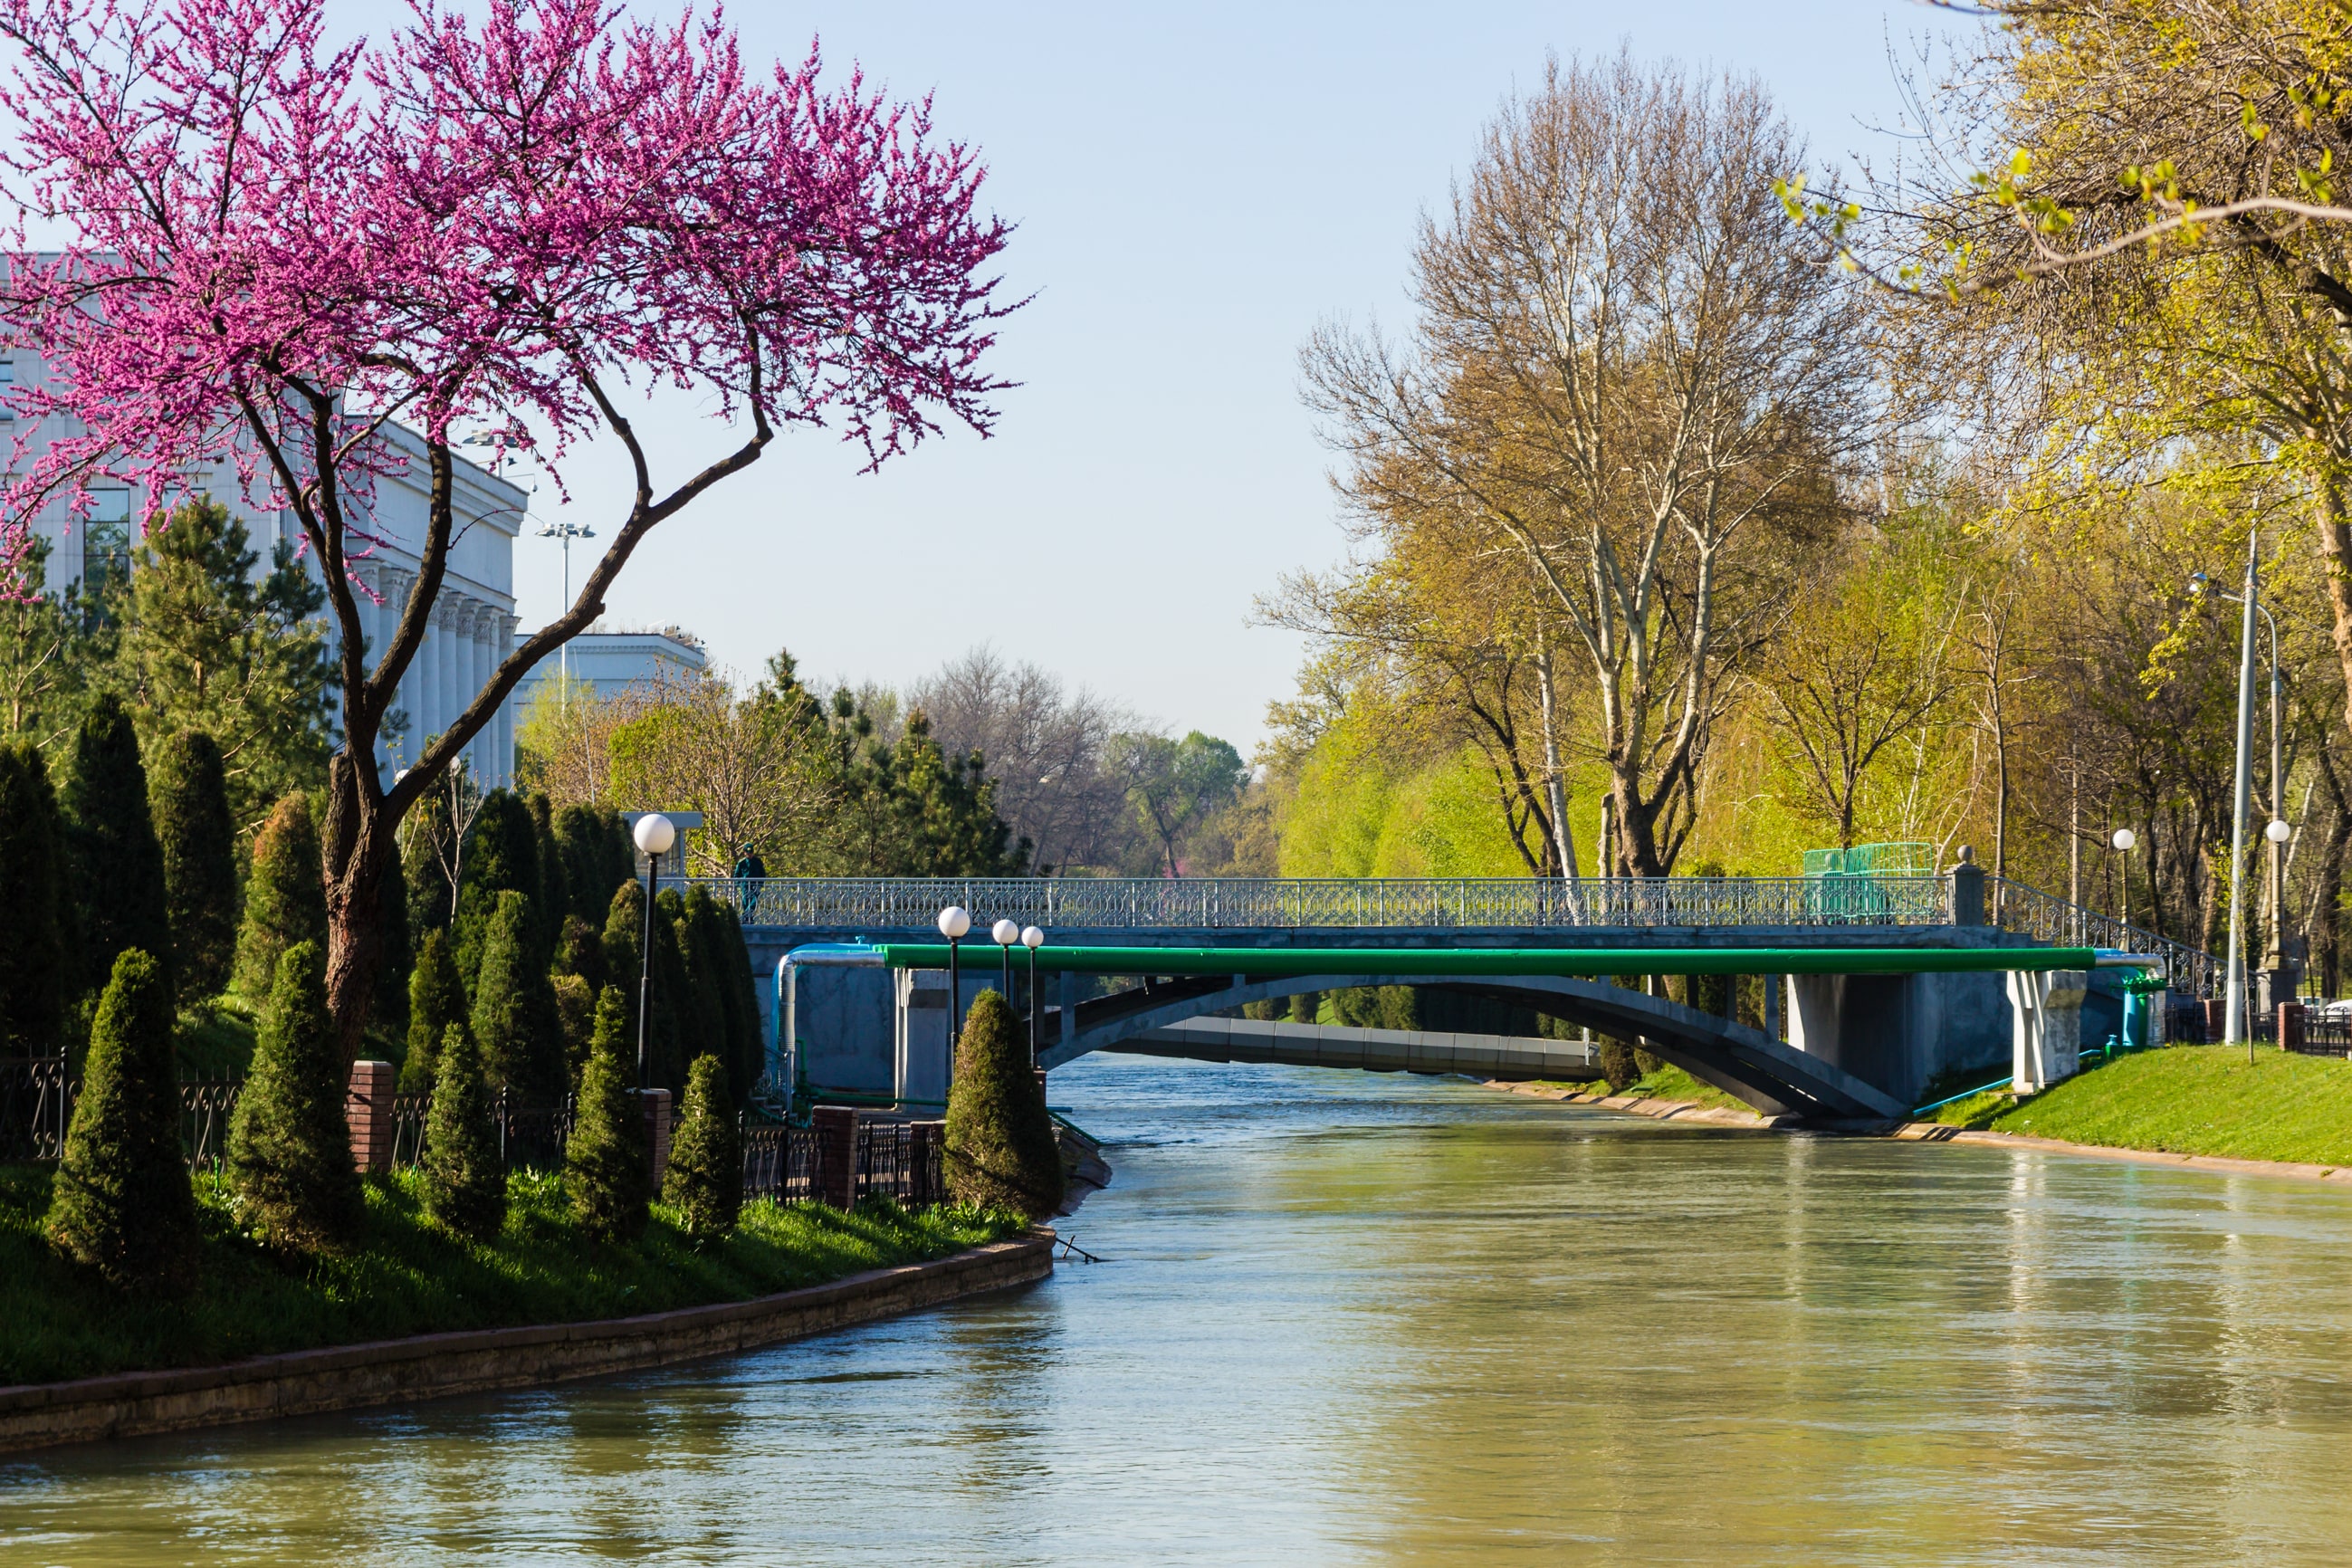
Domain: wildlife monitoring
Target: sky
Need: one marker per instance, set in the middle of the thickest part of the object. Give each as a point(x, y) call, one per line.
point(1195, 187)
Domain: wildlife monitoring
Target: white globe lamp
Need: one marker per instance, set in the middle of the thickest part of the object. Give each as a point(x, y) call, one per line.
point(954, 921)
point(2124, 839)
point(2278, 832)
point(655, 833)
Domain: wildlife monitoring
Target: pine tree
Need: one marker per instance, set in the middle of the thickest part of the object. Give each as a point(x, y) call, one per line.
point(32, 869)
point(188, 802)
point(1002, 1149)
point(502, 856)
point(465, 1182)
point(607, 1171)
point(285, 901)
point(436, 1000)
point(121, 1201)
point(290, 1144)
point(705, 1179)
point(117, 866)
point(514, 1007)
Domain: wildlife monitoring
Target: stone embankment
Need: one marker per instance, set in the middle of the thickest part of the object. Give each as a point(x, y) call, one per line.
point(1657, 1109)
point(429, 1366)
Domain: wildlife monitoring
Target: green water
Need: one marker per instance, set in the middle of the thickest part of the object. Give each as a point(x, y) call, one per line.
point(1356, 1319)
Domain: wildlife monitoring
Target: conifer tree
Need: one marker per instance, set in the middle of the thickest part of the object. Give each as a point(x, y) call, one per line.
point(597, 858)
point(465, 1182)
point(580, 950)
point(551, 899)
point(285, 900)
point(436, 1000)
point(676, 1011)
point(623, 931)
point(608, 1169)
point(389, 1015)
point(702, 1008)
point(705, 1179)
point(32, 869)
point(1002, 1149)
point(290, 1144)
point(117, 866)
point(121, 1201)
point(515, 1019)
point(188, 802)
point(751, 1053)
point(575, 1008)
point(624, 947)
point(502, 856)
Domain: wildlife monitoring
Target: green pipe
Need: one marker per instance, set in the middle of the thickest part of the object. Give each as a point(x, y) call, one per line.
point(1288, 962)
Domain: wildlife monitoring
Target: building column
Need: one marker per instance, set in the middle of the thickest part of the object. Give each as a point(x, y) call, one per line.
point(507, 623)
point(486, 745)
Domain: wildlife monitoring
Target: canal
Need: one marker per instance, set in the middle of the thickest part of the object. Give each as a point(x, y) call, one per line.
point(1356, 1318)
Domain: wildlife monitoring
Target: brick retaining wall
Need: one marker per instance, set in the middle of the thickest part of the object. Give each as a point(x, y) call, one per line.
point(348, 1377)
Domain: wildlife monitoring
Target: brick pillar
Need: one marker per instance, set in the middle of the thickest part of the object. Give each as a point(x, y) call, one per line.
point(658, 1132)
point(367, 1109)
point(2217, 1020)
point(836, 1156)
point(2290, 1025)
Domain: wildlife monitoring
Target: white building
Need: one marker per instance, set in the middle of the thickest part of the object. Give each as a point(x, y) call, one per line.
point(611, 659)
point(473, 625)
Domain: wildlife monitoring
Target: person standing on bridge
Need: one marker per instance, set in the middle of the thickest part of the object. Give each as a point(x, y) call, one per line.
point(749, 868)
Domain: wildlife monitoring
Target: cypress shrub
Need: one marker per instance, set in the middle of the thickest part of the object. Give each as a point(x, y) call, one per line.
point(423, 864)
point(32, 869)
point(704, 1182)
point(751, 1053)
point(465, 1182)
point(580, 951)
point(187, 796)
point(597, 858)
point(514, 1007)
point(436, 1001)
point(284, 901)
point(502, 856)
point(1617, 1064)
point(390, 1011)
point(1002, 1149)
point(121, 1201)
point(290, 1146)
point(117, 866)
point(608, 1169)
point(704, 1023)
point(551, 899)
point(575, 1010)
point(1306, 1007)
point(676, 1008)
point(623, 929)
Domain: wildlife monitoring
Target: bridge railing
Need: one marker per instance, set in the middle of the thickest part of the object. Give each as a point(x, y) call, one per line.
point(880, 904)
point(2030, 911)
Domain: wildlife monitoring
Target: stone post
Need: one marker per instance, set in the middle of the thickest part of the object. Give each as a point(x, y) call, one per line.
point(367, 1109)
point(2217, 1020)
point(836, 1156)
point(2290, 1025)
point(1968, 890)
point(658, 1132)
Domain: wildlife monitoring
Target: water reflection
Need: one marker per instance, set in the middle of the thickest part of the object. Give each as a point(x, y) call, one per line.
point(1353, 1319)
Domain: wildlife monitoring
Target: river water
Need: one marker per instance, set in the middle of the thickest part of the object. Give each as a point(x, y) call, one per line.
point(1347, 1318)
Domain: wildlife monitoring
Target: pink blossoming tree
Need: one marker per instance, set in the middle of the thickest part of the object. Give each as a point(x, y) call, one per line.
point(530, 218)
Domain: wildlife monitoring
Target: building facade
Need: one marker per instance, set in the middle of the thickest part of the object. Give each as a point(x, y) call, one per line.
point(608, 660)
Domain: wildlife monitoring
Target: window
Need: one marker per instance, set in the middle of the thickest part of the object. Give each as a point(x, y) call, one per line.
point(106, 538)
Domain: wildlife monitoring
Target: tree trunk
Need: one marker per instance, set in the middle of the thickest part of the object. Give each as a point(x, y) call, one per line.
point(1564, 836)
point(357, 844)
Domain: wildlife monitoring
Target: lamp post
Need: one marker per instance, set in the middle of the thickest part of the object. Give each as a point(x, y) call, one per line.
point(1007, 934)
point(566, 531)
point(1032, 939)
point(954, 921)
point(655, 833)
point(2233, 1004)
point(2123, 841)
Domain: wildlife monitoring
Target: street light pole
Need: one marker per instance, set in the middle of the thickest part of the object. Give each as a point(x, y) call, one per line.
point(2233, 1006)
point(1032, 939)
point(2123, 841)
point(954, 921)
point(655, 833)
point(567, 531)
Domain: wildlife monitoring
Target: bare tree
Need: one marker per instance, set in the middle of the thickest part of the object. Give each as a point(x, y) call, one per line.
point(1048, 748)
point(756, 767)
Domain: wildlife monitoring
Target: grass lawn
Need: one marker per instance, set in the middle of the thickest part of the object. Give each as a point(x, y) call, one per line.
point(1670, 1082)
point(2190, 1100)
point(408, 1277)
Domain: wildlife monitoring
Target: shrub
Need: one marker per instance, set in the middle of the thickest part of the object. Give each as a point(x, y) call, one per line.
point(32, 868)
point(702, 1005)
point(705, 1179)
point(1617, 1064)
point(680, 1021)
point(552, 898)
point(425, 864)
point(187, 794)
point(597, 858)
point(436, 1000)
point(1002, 1150)
point(121, 1201)
point(623, 931)
point(575, 1010)
point(465, 1182)
point(608, 1169)
point(397, 959)
point(750, 1052)
point(117, 866)
point(580, 950)
point(285, 902)
point(514, 1007)
point(290, 1145)
point(502, 856)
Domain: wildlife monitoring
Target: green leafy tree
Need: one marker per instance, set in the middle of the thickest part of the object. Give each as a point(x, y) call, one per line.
point(285, 900)
point(502, 856)
point(188, 801)
point(290, 1143)
point(1177, 785)
point(117, 865)
point(203, 644)
point(1002, 1149)
point(515, 1017)
point(436, 1001)
point(121, 1201)
point(906, 809)
point(44, 659)
point(622, 939)
point(465, 1182)
point(597, 857)
point(705, 1180)
point(33, 955)
point(608, 1169)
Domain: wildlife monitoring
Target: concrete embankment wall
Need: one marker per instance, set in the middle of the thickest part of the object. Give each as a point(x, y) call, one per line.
point(347, 1378)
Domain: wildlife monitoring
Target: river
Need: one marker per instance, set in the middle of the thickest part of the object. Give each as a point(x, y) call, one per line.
point(1348, 1317)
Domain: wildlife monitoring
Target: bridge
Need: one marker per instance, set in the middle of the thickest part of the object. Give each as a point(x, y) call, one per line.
point(1857, 1039)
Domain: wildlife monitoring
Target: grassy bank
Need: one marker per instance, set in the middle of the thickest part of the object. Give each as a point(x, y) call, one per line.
point(2190, 1100)
point(408, 1277)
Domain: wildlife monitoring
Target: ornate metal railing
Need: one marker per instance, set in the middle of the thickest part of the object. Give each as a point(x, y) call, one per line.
point(36, 1103)
point(2030, 911)
point(880, 904)
point(786, 1162)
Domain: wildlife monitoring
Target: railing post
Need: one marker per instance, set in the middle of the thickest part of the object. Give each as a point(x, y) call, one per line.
point(836, 1156)
point(1968, 890)
point(367, 1110)
point(657, 1113)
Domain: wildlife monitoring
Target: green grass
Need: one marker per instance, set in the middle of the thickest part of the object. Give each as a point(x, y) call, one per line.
point(406, 1276)
point(2190, 1100)
point(1670, 1082)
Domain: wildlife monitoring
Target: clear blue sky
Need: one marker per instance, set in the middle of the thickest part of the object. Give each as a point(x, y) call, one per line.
point(1195, 186)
